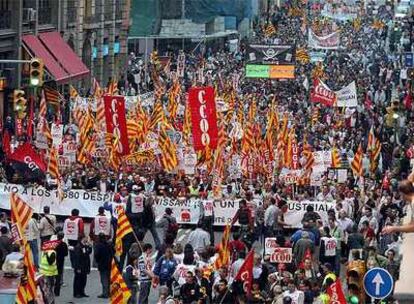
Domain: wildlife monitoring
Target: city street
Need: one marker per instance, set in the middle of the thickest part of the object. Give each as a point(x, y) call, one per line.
point(93, 287)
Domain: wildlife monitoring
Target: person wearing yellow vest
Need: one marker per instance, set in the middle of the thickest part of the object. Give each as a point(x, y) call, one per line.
point(330, 277)
point(48, 269)
point(194, 189)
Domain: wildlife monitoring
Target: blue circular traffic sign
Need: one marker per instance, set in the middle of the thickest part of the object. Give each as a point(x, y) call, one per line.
point(378, 283)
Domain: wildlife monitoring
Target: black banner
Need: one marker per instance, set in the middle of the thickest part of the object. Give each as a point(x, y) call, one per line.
point(270, 54)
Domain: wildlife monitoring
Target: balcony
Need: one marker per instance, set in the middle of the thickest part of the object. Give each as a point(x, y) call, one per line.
point(5, 20)
point(45, 15)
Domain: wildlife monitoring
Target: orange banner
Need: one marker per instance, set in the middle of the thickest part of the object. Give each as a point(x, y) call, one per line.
point(282, 71)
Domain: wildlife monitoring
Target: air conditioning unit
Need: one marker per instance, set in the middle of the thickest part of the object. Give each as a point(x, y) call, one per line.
point(29, 15)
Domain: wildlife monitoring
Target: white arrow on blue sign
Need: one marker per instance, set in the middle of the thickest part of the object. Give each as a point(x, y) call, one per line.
point(378, 283)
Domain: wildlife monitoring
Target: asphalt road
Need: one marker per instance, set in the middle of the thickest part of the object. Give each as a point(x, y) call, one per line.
point(93, 287)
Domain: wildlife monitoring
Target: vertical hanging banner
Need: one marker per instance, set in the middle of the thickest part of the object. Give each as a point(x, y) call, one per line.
point(116, 121)
point(203, 117)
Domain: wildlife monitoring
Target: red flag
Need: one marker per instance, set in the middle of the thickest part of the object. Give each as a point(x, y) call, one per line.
point(367, 103)
point(245, 273)
point(336, 294)
point(408, 101)
point(306, 256)
point(6, 143)
point(116, 121)
point(203, 117)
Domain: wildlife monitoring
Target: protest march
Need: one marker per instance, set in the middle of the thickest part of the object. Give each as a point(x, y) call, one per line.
point(290, 159)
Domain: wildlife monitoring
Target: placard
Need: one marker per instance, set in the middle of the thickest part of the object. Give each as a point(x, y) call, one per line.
point(277, 254)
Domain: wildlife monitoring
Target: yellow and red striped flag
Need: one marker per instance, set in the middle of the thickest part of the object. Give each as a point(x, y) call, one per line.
point(113, 88)
point(21, 212)
point(335, 158)
point(114, 157)
point(270, 30)
point(169, 159)
point(223, 258)
point(26, 292)
point(53, 170)
point(374, 157)
point(218, 172)
point(356, 164)
point(315, 115)
point(119, 292)
point(72, 92)
point(123, 228)
point(187, 124)
point(157, 115)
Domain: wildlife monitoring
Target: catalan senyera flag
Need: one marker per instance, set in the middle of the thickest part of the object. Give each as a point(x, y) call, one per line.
point(113, 88)
point(375, 155)
point(157, 115)
point(248, 139)
point(310, 159)
point(302, 55)
point(270, 30)
point(43, 106)
point(123, 228)
point(169, 159)
point(218, 172)
point(53, 170)
point(72, 92)
point(356, 164)
point(26, 292)
point(315, 115)
point(114, 158)
point(100, 105)
point(21, 212)
point(223, 258)
point(52, 96)
point(187, 124)
point(335, 158)
point(119, 292)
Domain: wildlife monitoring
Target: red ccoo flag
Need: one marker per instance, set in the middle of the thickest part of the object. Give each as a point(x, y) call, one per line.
point(245, 273)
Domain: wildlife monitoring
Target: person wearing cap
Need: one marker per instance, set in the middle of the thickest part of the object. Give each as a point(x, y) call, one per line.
point(167, 222)
point(48, 268)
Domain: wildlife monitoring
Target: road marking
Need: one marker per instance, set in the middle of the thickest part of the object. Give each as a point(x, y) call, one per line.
point(70, 268)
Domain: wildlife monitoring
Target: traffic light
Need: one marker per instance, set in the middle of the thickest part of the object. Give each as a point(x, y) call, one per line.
point(20, 103)
point(355, 279)
point(36, 72)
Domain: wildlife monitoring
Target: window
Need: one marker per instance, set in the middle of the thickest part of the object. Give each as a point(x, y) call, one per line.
point(4, 5)
point(88, 8)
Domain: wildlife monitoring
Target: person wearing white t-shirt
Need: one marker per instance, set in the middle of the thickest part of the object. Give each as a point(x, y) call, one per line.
point(297, 296)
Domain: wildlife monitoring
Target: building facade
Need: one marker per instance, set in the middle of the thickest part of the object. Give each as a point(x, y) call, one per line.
point(97, 30)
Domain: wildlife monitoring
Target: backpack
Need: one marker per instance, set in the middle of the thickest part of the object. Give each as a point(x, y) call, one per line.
point(244, 217)
point(172, 226)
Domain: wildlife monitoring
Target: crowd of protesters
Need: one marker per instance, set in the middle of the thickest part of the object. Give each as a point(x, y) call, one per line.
point(362, 224)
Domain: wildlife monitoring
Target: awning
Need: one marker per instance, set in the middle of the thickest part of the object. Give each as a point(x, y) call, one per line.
point(39, 50)
point(60, 60)
point(64, 53)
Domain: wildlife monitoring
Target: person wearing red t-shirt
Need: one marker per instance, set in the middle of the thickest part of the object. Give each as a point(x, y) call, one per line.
point(236, 246)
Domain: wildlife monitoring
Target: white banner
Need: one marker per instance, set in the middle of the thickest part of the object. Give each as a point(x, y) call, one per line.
point(185, 211)
point(277, 254)
point(57, 134)
point(328, 42)
point(87, 202)
point(347, 96)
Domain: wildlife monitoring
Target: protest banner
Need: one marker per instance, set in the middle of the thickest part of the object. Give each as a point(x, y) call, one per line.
point(277, 254)
point(116, 121)
point(186, 211)
point(328, 42)
point(203, 117)
point(57, 134)
point(347, 96)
